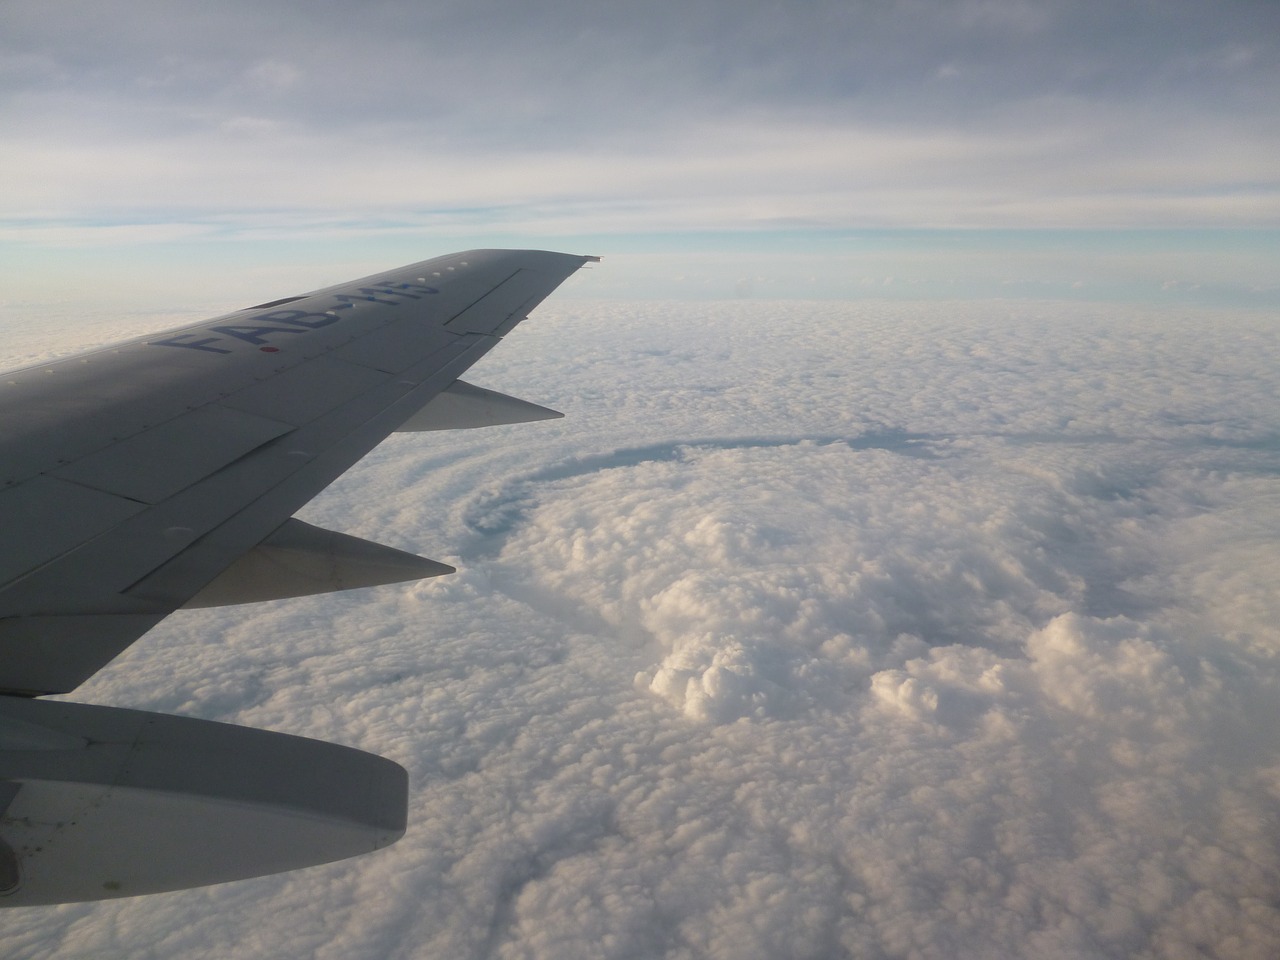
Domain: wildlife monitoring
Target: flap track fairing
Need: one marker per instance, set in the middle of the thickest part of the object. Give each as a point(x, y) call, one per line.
point(300, 559)
point(463, 405)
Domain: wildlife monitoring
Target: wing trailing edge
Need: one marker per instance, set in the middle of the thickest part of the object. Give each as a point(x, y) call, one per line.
point(165, 472)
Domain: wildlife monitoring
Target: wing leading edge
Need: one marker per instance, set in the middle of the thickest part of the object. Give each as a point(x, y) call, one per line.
point(164, 472)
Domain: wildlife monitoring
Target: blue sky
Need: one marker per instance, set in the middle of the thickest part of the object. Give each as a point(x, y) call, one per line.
point(962, 149)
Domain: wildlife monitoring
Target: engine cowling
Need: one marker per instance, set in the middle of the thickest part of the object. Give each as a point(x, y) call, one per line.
point(99, 802)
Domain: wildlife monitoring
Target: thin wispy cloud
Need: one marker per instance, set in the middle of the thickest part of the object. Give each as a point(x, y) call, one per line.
point(576, 120)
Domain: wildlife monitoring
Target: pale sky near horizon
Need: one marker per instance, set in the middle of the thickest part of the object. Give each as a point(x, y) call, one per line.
point(987, 148)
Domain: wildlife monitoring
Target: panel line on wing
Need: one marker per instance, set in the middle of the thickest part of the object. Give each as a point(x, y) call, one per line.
point(51, 516)
point(154, 465)
point(495, 292)
point(96, 568)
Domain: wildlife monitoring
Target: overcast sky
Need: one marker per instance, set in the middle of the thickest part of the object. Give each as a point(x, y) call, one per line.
point(803, 149)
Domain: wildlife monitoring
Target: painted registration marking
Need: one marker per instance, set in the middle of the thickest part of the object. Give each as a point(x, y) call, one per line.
point(267, 327)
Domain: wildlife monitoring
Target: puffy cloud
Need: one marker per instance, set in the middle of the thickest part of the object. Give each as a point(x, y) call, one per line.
point(814, 630)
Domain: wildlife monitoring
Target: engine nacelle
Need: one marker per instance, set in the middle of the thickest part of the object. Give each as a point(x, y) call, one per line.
point(99, 802)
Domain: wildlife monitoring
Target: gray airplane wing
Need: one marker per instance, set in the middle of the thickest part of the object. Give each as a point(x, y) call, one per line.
point(164, 472)
point(131, 478)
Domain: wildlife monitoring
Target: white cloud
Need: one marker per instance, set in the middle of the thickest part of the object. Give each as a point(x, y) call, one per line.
point(1083, 114)
point(1085, 167)
point(272, 76)
point(814, 630)
point(249, 126)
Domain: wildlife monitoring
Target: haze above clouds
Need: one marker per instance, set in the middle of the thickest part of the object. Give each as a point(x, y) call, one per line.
point(700, 144)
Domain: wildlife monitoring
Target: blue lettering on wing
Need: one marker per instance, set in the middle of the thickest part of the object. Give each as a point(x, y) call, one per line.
point(302, 318)
point(252, 334)
point(298, 321)
point(390, 286)
point(185, 340)
point(364, 294)
point(381, 291)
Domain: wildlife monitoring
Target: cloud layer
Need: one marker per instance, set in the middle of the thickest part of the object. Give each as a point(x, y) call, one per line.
point(571, 117)
point(814, 630)
point(986, 148)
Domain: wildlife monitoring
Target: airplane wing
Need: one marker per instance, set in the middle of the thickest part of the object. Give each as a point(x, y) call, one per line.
point(164, 472)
